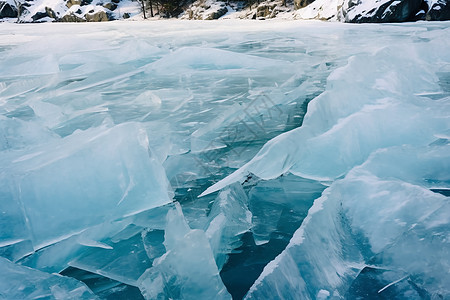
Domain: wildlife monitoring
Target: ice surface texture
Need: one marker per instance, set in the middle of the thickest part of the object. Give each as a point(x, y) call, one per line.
point(108, 138)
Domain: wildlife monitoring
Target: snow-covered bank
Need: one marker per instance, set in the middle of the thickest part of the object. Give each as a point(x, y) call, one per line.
point(366, 11)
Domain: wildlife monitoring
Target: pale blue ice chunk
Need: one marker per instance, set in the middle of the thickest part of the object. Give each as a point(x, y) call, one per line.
point(124, 261)
point(13, 223)
point(19, 282)
point(59, 181)
point(16, 133)
point(403, 163)
point(153, 240)
point(228, 220)
point(270, 201)
point(366, 220)
point(187, 270)
point(58, 256)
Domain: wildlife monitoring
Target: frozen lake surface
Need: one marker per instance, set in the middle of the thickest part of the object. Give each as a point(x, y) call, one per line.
point(320, 152)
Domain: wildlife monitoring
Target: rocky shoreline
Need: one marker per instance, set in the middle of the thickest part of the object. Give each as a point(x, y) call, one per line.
point(349, 11)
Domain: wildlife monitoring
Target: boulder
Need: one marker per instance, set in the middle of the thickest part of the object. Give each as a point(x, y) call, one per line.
point(39, 15)
point(217, 14)
point(51, 13)
point(116, 1)
point(302, 3)
point(99, 16)
point(111, 6)
point(205, 10)
point(71, 18)
point(7, 10)
point(126, 16)
point(381, 11)
point(439, 11)
point(73, 2)
point(265, 10)
point(421, 13)
point(85, 2)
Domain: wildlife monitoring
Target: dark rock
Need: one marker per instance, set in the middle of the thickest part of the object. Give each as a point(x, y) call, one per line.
point(126, 16)
point(391, 11)
point(302, 3)
point(421, 14)
point(85, 2)
point(7, 11)
point(71, 18)
point(217, 14)
point(51, 13)
point(111, 6)
point(99, 16)
point(39, 15)
point(115, 1)
point(439, 11)
point(91, 11)
point(79, 11)
point(70, 3)
point(264, 10)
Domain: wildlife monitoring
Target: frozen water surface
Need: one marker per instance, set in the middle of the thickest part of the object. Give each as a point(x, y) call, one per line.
point(320, 152)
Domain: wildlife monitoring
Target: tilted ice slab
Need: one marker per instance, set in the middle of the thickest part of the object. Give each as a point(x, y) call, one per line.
point(187, 269)
point(371, 218)
point(269, 202)
point(19, 282)
point(229, 218)
point(62, 188)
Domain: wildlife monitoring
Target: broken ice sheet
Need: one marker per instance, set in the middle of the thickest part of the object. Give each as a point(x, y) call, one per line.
point(97, 239)
point(381, 110)
point(19, 282)
point(124, 261)
point(103, 287)
point(363, 221)
point(102, 76)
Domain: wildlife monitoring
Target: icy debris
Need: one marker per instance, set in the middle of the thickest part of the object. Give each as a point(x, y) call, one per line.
point(228, 220)
point(187, 270)
point(120, 235)
point(19, 282)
